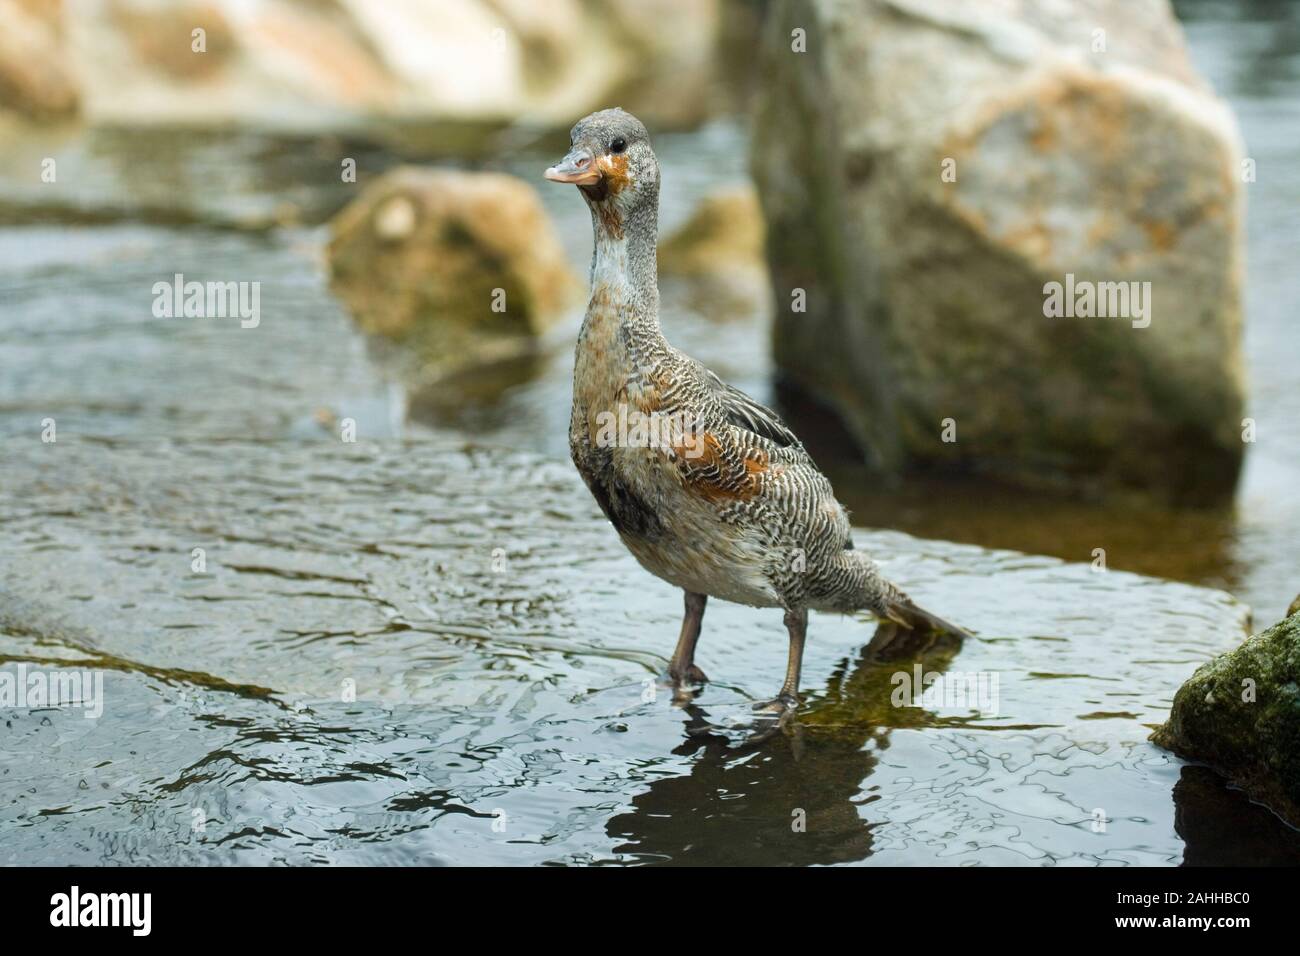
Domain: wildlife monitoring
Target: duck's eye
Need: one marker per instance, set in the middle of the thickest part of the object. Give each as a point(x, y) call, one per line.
point(618, 145)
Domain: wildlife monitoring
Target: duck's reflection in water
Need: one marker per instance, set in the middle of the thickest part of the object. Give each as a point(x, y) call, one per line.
point(796, 798)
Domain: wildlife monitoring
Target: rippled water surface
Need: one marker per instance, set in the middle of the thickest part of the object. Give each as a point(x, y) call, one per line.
point(520, 684)
point(428, 647)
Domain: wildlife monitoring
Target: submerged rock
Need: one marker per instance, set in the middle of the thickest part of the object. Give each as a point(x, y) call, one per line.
point(718, 255)
point(928, 169)
point(1240, 714)
point(464, 267)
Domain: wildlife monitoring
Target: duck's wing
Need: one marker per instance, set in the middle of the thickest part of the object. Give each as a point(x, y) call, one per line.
point(749, 455)
point(745, 412)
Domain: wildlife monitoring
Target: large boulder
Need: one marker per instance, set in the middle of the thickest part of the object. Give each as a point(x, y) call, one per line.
point(464, 267)
point(1240, 714)
point(928, 169)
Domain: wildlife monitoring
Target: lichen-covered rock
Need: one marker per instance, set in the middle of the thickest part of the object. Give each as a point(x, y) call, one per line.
point(928, 168)
point(36, 80)
point(1240, 714)
point(718, 254)
point(461, 266)
point(1295, 606)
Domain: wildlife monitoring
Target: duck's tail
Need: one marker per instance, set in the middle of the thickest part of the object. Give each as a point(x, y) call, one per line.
point(900, 609)
point(871, 591)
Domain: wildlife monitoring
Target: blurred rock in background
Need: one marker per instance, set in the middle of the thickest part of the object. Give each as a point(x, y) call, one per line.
point(717, 258)
point(35, 77)
point(463, 267)
point(330, 64)
point(1078, 140)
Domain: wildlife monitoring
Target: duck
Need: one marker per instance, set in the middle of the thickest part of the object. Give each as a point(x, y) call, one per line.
point(708, 488)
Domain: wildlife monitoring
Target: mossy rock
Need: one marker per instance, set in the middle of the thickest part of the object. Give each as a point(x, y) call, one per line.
point(1240, 714)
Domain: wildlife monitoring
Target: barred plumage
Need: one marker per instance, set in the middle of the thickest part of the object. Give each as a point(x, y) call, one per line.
point(720, 498)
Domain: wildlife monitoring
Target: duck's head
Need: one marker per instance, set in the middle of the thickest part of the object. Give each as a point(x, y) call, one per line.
point(613, 166)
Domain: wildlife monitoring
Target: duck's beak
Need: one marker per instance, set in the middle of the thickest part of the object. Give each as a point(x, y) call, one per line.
point(577, 168)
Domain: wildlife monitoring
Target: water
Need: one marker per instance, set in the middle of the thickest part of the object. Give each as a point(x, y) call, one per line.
point(428, 647)
point(515, 681)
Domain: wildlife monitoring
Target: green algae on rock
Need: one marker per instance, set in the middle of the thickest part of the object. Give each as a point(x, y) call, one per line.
point(1240, 713)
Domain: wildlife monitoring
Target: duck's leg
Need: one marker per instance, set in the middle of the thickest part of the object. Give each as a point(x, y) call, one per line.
point(787, 701)
point(682, 667)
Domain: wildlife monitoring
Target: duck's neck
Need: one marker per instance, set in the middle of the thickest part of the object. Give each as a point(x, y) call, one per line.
point(624, 270)
point(622, 321)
